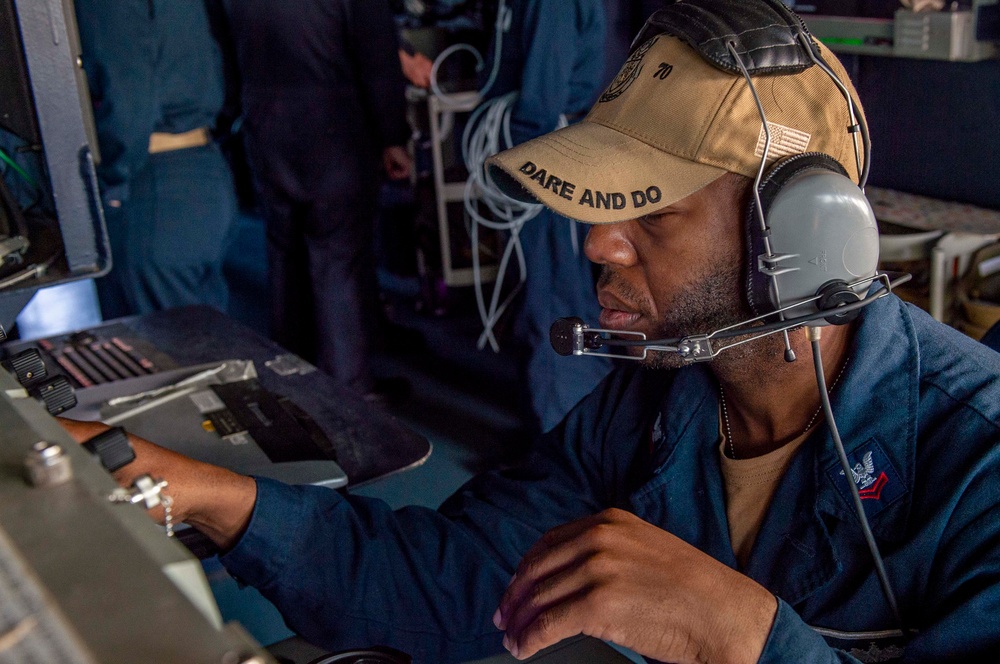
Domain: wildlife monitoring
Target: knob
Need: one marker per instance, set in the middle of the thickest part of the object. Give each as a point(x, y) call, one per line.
point(111, 448)
point(28, 367)
point(57, 395)
point(47, 465)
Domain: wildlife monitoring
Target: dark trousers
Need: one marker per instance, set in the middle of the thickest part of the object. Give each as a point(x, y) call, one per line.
point(169, 237)
point(323, 284)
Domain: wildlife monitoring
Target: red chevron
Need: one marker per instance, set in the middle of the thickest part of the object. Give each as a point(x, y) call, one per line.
point(874, 492)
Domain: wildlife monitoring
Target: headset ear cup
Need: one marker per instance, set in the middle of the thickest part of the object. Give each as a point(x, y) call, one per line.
point(758, 285)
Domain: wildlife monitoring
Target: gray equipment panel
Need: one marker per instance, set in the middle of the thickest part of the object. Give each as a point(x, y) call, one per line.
point(89, 580)
point(176, 423)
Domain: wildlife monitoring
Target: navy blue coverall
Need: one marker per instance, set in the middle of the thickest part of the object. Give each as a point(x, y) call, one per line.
point(323, 95)
point(153, 66)
point(553, 55)
point(919, 400)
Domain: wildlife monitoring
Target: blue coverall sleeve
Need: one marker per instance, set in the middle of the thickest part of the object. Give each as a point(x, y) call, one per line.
point(118, 44)
point(547, 39)
point(793, 641)
point(348, 571)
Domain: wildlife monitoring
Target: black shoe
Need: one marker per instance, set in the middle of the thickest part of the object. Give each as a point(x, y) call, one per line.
point(389, 391)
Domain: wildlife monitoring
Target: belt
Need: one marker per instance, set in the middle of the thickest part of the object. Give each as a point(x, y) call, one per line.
point(163, 142)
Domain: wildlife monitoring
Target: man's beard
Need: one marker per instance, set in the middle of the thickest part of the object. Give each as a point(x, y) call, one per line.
point(711, 302)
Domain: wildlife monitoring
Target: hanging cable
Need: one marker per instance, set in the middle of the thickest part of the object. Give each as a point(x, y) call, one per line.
point(20, 171)
point(486, 134)
point(859, 508)
point(501, 27)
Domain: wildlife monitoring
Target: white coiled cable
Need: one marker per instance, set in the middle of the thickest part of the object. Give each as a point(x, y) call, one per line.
point(501, 27)
point(486, 134)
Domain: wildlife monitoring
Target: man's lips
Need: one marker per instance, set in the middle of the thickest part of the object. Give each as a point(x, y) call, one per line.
point(613, 319)
point(615, 314)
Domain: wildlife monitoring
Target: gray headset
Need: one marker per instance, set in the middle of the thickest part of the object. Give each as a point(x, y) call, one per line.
point(811, 236)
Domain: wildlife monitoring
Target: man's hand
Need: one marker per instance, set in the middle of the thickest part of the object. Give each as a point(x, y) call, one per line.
point(214, 500)
point(397, 162)
point(615, 577)
point(416, 68)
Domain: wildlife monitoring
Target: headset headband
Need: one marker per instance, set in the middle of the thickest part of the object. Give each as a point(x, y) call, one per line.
point(765, 33)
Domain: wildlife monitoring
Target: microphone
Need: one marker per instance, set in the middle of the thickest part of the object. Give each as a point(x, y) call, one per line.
point(572, 336)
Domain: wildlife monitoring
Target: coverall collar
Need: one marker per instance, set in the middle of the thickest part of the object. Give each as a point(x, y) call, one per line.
point(793, 554)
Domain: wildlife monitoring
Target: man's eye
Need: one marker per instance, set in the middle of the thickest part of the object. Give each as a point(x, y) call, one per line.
point(653, 219)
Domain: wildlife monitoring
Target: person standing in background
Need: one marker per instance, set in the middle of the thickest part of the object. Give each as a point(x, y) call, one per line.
point(323, 105)
point(155, 78)
point(553, 54)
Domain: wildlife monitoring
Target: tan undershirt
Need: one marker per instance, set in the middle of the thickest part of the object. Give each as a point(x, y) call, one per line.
point(749, 485)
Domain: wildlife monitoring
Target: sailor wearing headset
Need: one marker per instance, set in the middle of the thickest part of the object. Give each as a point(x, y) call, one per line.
point(710, 512)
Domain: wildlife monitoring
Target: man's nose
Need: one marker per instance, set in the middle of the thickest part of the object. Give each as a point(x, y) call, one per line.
point(609, 244)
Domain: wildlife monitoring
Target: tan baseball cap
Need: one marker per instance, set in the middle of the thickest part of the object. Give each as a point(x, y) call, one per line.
point(670, 124)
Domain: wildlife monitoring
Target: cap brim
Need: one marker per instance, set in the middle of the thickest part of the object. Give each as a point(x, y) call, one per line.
point(597, 174)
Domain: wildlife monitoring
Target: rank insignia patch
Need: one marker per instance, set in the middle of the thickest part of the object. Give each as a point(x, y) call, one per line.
point(879, 485)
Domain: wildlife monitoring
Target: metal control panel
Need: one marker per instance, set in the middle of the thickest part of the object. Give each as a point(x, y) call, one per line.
point(85, 578)
point(55, 230)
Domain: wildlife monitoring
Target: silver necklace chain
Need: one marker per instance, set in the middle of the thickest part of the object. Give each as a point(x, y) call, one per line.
point(809, 425)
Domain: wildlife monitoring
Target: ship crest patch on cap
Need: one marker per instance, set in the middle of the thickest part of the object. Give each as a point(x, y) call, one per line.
point(629, 73)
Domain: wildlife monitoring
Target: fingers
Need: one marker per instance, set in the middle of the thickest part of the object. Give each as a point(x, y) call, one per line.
point(544, 611)
point(550, 597)
point(555, 623)
point(561, 547)
point(398, 171)
point(405, 166)
point(548, 556)
point(81, 431)
point(422, 66)
point(416, 68)
point(615, 577)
